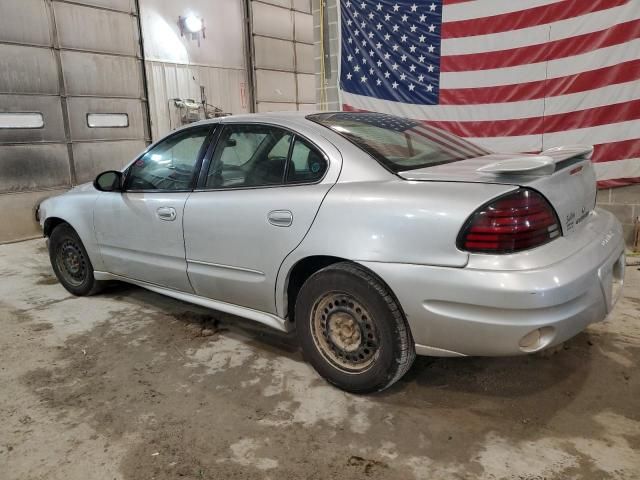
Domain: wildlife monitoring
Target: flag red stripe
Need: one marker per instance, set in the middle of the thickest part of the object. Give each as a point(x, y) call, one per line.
point(526, 18)
point(553, 87)
point(618, 182)
point(609, 152)
point(591, 117)
point(452, 2)
point(566, 47)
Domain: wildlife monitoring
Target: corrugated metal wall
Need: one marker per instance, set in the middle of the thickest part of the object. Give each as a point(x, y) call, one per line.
point(65, 60)
point(282, 44)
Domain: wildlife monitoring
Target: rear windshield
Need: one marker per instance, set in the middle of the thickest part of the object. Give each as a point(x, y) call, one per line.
point(397, 143)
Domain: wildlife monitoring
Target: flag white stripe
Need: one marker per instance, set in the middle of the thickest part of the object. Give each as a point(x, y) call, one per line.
point(540, 34)
point(613, 132)
point(603, 57)
point(445, 142)
point(599, 97)
point(484, 8)
point(629, 168)
point(454, 150)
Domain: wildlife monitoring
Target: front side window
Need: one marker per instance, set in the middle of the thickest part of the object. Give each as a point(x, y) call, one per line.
point(169, 165)
point(249, 156)
point(399, 144)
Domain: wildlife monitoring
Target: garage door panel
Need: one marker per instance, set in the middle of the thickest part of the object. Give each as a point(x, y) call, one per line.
point(18, 210)
point(272, 21)
point(29, 167)
point(304, 27)
point(275, 107)
point(48, 106)
point(86, 28)
point(304, 58)
point(28, 70)
point(25, 21)
point(275, 86)
point(101, 75)
point(79, 108)
point(92, 158)
point(127, 6)
point(279, 3)
point(275, 54)
point(302, 5)
point(306, 88)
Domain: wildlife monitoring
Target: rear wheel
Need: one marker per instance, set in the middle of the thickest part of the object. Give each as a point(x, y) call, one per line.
point(70, 261)
point(352, 330)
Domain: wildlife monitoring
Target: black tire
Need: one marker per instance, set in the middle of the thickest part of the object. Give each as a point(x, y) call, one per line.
point(352, 330)
point(70, 262)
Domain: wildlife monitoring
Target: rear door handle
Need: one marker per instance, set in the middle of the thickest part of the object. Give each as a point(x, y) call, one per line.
point(168, 214)
point(280, 218)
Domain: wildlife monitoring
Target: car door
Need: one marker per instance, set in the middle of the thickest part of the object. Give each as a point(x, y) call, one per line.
point(258, 200)
point(139, 230)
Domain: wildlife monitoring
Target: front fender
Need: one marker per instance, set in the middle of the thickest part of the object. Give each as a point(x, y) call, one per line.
point(75, 207)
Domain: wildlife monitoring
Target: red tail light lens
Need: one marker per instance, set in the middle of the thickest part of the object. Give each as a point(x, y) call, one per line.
point(518, 221)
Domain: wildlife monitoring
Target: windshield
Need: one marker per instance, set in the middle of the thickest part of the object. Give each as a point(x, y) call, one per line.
point(397, 143)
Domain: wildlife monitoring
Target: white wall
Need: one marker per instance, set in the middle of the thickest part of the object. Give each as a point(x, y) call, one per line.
point(177, 66)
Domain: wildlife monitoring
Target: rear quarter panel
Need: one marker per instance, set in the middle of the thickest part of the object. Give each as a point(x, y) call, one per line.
point(395, 221)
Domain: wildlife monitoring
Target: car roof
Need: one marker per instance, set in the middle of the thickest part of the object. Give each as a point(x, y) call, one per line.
point(276, 117)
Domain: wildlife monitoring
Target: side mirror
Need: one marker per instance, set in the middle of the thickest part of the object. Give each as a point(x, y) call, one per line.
point(109, 181)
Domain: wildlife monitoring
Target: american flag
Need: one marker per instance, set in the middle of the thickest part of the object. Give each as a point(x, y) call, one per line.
point(519, 76)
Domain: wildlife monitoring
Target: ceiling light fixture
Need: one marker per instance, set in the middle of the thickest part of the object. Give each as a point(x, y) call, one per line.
point(193, 26)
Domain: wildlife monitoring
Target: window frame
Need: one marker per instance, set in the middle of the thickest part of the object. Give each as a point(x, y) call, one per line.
point(204, 151)
point(41, 127)
point(100, 114)
point(208, 160)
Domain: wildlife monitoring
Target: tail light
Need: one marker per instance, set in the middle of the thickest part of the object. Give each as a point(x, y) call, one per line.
point(517, 221)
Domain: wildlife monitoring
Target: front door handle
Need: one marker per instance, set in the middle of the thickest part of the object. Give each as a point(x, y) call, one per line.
point(280, 218)
point(168, 214)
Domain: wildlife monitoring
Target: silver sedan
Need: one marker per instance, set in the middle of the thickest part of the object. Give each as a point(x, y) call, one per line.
point(376, 238)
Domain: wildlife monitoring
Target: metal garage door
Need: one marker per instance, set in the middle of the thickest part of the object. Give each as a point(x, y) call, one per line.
point(282, 44)
point(73, 71)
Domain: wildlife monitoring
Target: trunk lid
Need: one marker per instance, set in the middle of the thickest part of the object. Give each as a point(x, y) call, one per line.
point(564, 175)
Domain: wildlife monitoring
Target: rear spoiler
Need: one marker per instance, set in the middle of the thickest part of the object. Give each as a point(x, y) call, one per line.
point(546, 163)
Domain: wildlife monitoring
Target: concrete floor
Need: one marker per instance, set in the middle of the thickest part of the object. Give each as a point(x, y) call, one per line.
point(127, 385)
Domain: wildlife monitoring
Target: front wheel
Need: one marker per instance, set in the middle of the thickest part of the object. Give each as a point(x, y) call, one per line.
point(352, 329)
point(70, 261)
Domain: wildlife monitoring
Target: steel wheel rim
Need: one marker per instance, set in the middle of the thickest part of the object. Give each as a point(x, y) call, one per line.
point(71, 263)
point(344, 332)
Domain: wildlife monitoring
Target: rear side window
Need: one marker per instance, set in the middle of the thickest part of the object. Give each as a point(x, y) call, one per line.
point(307, 164)
point(261, 155)
point(249, 156)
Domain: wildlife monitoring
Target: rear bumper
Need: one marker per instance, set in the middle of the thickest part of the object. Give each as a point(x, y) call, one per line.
point(494, 312)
